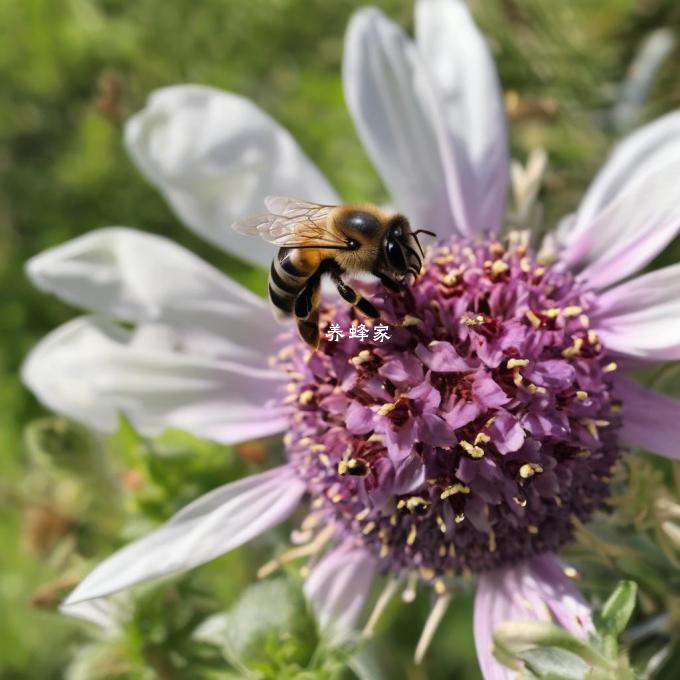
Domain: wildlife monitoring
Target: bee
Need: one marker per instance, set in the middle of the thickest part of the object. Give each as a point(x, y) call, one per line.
point(331, 240)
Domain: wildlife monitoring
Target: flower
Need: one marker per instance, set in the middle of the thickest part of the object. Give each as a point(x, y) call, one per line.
point(465, 443)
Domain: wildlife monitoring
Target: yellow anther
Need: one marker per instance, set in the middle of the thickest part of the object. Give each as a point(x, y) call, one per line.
point(361, 358)
point(574, 349)
point(288, 439)
point(570, 572)
point(517, 363)
point(552, 312)
point(529, 470)
point(324, 459)
point(440, 587)
point(525, 265)
point(593, 339)
point(306, 397)
point(532, 529)
point(482, 438)
point(499, 267)
point(427, 573)
point(492, 541)
point(610, 367)
point(413, 532)
point(384, 550)
point(317, 448)
point(572, 310)
point(539, 271)
point(584, 453)
point(581, 395)
point(591, 426)
point(520, 501)
point(385, 409)
point(471, 449)
point(535, 389)
point(368, 528)
point(496, 248)
point(459, 518)
point(584, 320)
point(452, 490)
point(441, 524)
point(534, 320)
point(361, 516)
point(290, 399)
point(410, 320)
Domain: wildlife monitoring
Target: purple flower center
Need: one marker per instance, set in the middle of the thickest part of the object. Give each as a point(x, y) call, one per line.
point(476, 433)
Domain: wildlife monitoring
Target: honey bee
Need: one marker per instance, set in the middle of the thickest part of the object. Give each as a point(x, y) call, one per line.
point(331, 240)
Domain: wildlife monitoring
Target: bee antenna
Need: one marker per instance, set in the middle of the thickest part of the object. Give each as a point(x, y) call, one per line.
point(413, 252)
point(424, 231)
point(420, 248)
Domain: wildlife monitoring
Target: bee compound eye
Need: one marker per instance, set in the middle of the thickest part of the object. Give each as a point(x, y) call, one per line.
point(353, 244)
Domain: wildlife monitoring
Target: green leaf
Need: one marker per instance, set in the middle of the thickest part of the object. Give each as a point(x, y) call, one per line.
point(516, 637)
point(618, 609)
point(551, 663)
point(264, 608)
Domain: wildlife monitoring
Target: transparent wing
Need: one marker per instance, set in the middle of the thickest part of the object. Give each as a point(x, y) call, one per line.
point(291, 223)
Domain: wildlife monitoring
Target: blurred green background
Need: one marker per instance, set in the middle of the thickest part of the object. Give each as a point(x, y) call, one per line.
point(70, 72)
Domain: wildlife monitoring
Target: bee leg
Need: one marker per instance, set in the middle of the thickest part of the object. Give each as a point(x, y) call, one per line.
point(389, 283)
point(309, 330)
point(306, 311)
point(361, 303)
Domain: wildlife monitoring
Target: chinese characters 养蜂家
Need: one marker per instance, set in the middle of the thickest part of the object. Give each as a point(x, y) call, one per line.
point(358, 331)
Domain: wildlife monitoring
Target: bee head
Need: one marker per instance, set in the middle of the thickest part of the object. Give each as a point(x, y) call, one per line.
point(399, 254)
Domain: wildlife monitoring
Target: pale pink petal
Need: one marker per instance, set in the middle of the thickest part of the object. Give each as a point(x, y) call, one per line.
point(215, 156)
point(635, 211)
point(92, 370)
point(212, 525)
point(337, 588)
point(465, 75)
point(636, 154)
point(401, 122)
point(536, 589)
point(142, 278)
point(651, 420)
point(641, 318)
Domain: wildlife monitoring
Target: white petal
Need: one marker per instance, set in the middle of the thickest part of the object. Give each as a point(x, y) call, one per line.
point(636, 154)
point(91, 370)
point(633, 210)
point(215, 156)
point(459, 59)
point(641, 318)
point(401, 123)
point(650, 420)
point(338, 588)
point(212, 525)
point(143, 278)
point(536, 589)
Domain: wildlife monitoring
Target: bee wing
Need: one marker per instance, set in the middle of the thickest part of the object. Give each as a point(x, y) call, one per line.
point(292, 223)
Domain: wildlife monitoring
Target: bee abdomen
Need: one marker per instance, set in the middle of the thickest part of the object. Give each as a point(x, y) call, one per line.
point(285, 282)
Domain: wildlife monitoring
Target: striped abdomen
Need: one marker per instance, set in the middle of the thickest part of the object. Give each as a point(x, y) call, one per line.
point(286, 279)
